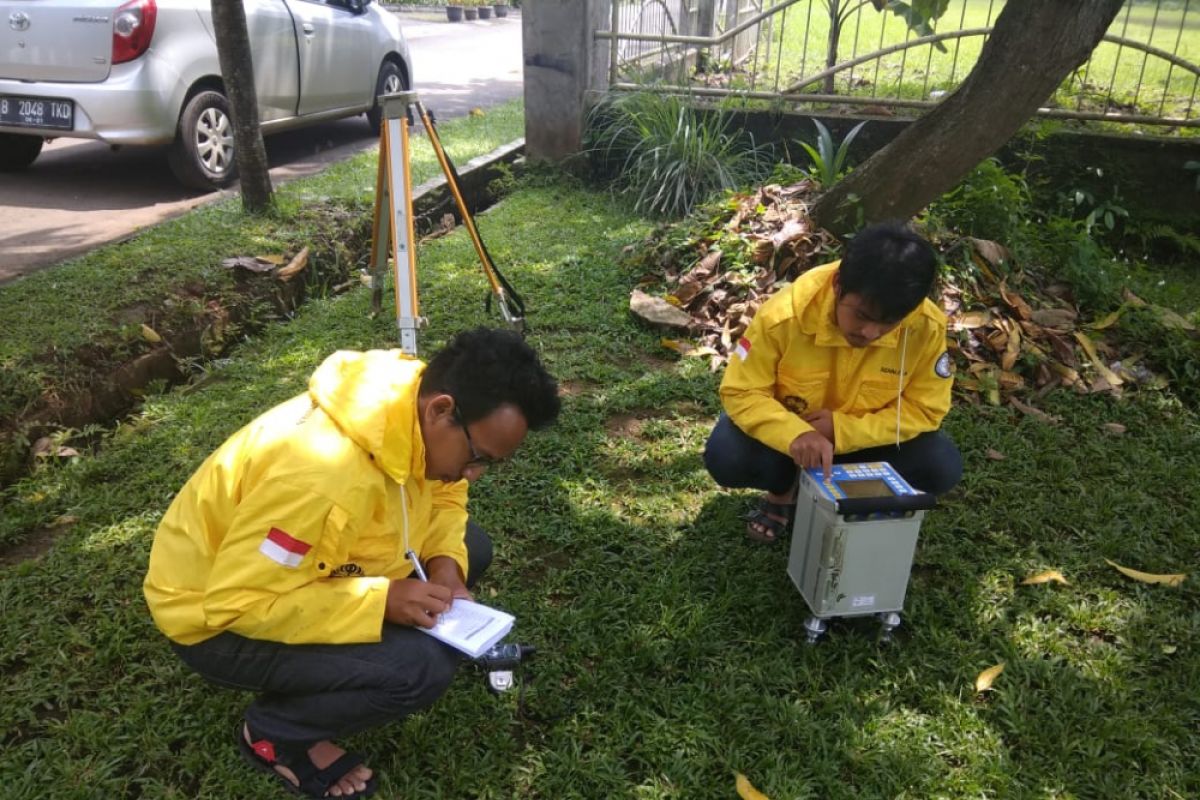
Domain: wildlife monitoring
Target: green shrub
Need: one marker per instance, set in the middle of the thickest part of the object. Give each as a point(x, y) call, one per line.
point(990, 203)
point(1173, 352)
point(668, 155)
point(827, 160)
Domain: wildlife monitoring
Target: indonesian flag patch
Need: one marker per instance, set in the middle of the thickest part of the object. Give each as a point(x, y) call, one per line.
point(742, 350)
point(283, 549)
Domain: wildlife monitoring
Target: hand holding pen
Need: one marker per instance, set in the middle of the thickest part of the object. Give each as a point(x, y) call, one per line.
point(416, 602)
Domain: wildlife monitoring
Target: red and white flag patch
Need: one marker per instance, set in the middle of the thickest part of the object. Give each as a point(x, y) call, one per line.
point(283, 549)
point(743, 348)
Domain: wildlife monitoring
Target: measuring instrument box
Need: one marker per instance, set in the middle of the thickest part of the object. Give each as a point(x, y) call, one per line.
point(853, 541)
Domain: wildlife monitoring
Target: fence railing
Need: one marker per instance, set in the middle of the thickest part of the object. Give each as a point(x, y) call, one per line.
point(805, 53)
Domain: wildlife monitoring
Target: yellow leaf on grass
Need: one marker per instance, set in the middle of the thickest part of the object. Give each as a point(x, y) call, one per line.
point(1090, 348)
point(276, 260)
point(1050, 575)
point(1147, 577)
point(746, 790)
point(687, 348)
point(1107, 321)
point(984, 681)
point(149, 334)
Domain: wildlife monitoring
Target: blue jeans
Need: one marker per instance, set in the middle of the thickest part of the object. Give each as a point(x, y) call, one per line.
point(311, 692)
point(929, 462)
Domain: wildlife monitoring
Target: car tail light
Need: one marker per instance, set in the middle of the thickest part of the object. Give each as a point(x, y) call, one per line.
point(133, 26)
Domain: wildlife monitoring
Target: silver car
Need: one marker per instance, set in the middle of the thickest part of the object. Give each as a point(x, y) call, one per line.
point(146, 73)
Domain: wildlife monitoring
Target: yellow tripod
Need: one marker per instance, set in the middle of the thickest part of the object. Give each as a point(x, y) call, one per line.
point(393, 230)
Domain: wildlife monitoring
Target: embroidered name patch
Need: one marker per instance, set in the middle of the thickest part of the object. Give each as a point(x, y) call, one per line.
point(743, 348)
point(942, 367)
point(283, 549)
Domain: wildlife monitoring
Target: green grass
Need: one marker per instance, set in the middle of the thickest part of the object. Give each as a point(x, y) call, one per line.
point(670, 649)
point(799, 36)
point(63, 326)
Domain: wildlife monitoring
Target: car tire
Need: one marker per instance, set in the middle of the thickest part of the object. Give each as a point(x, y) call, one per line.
point(390, 81)
point(202, 155)
point(18, 150)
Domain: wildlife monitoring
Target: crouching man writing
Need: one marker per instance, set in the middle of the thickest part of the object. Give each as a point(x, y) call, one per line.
point(281, 566)
point(848, 364)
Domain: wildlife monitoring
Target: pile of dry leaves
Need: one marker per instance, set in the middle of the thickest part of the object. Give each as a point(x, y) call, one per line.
point(1014, 336)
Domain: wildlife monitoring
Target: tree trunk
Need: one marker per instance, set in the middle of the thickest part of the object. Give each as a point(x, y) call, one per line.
point(1034, 45)
point(237, 69)
point(835, 33)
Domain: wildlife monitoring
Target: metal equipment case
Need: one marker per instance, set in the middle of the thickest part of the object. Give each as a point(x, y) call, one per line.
point(853, 542)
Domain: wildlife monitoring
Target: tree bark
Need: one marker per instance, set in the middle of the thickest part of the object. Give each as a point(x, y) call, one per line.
point(1034, 45)
point(835, 33)
point(237, 69)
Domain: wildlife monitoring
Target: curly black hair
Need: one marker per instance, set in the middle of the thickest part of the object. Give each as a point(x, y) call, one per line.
point(484, 368)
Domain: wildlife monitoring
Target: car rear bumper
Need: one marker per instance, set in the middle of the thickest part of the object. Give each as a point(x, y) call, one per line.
point(130, 107)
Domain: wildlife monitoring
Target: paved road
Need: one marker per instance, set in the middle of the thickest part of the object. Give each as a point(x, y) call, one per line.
point(79, 194)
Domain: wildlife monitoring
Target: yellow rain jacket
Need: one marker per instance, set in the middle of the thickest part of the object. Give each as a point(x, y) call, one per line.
point(292, 529)
point(793, 360)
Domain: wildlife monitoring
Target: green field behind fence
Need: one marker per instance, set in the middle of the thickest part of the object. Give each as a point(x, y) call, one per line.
point(1138, 80)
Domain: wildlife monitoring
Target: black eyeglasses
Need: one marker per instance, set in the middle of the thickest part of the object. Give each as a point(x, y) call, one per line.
point(477, 460)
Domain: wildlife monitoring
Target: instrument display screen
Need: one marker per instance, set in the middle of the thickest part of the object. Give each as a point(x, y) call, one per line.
point(868, 488)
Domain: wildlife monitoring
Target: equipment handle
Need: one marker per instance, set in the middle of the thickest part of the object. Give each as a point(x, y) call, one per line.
point(886, 505)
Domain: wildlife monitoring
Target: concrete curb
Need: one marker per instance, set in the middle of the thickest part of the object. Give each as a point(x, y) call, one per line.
point(433, 199)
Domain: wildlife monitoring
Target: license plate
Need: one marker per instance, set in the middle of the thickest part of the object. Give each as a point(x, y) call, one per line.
point(37, 112)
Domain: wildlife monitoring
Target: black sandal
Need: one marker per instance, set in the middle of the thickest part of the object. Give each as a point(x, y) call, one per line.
point(264, 755)
point(764, 515)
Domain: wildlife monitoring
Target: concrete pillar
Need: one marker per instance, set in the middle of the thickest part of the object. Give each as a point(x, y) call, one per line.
point(563, 61)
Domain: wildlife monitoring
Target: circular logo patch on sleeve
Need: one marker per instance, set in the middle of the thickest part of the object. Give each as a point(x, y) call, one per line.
point(942, 367)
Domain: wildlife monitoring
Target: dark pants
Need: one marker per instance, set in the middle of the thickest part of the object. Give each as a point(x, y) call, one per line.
point(307, 693)
point(929, 462)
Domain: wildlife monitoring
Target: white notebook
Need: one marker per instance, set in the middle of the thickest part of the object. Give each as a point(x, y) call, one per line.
point(471, 627)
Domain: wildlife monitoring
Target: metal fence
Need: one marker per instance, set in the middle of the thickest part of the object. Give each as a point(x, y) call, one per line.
point(811, 53)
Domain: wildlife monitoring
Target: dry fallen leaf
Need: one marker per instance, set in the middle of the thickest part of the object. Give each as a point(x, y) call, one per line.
point(984, 681)
point(1107, 321)
point(1050, 575)
point(150, 335)
point(273, 259)
point(995, 455)
point(65, 519)
point(1148, 577)
point(746, 790)
point(971, 319)
point(1062, 318)
point(687, 348)
point(1036, 413)
point(1115, 428)
point(1089, 347)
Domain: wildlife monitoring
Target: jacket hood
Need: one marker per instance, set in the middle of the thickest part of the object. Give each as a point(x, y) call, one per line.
point(372, 396)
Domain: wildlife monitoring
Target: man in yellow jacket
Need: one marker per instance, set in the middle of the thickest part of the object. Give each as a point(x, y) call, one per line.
point(848, 364)
point(286, 566)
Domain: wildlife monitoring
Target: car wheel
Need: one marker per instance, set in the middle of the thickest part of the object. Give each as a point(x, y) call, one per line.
point(18, 150)
point(390, 81)
point(202, 154)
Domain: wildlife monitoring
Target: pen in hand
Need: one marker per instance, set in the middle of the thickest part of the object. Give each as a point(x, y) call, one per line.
point(417, 568)
point(419, 571)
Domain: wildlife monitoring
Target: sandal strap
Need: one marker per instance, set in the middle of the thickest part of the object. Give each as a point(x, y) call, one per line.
point(760, 517)
point(310, 780)
point(338, 769)
point(778, 509)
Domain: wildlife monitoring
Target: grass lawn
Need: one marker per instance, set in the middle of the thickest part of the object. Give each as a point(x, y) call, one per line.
point(671, 653)
point(794, 45)
point(66, 328)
